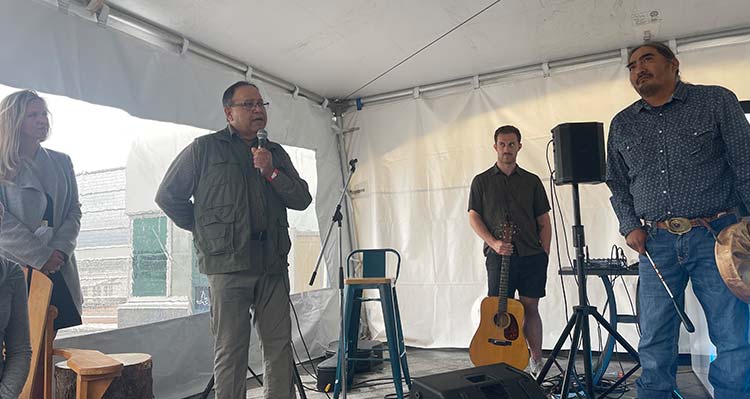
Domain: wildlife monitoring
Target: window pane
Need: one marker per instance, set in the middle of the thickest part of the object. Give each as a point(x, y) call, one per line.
point(303, 229)
point(135, 266)
point(149, 256)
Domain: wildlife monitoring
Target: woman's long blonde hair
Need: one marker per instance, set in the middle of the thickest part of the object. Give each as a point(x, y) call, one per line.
point(12, 114)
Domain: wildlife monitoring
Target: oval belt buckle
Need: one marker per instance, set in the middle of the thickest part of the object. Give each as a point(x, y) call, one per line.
point(679, 225)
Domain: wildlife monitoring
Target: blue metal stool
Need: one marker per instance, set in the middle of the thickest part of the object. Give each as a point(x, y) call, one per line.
point(373, 277)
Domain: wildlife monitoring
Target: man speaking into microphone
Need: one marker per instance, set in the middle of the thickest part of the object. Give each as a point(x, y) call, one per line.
point(241, 185)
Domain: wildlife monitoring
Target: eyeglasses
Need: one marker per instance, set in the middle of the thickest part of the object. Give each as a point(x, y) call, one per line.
point(249, 105)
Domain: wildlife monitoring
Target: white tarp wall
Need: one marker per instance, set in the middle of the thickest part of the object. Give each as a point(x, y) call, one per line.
point(417, 159)
point(56, 53)
point(182, 349)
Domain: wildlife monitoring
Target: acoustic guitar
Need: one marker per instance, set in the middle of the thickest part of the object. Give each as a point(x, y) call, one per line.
point(499, 338)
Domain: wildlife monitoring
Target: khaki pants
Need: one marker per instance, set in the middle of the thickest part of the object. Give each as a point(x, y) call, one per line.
point(236, 300)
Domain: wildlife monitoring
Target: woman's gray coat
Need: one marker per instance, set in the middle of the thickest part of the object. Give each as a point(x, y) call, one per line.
point(25, 204)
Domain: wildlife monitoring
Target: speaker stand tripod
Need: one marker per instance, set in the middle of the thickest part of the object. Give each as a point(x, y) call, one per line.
point(579, 323)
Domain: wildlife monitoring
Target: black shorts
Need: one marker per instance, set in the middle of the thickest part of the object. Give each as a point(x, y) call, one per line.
point(528, 275)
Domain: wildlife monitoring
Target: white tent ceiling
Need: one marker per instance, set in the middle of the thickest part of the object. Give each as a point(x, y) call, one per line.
point(334, 47)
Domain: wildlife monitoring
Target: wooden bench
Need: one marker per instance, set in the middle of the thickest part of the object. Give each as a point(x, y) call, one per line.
point(95, 370)
point(135, 380)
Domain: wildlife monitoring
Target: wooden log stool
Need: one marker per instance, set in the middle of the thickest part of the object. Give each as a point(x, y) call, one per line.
point(134, 382)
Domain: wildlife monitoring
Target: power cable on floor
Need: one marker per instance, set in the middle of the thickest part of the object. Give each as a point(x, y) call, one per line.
point(304, 344)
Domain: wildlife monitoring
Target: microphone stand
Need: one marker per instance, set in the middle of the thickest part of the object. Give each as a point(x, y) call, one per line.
point(336, 219)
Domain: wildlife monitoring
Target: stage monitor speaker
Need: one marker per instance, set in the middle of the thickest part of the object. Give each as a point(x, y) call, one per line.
point(579, 152)
point(496, 381)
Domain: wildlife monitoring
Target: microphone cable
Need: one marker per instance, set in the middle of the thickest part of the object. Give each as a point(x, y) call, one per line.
point(313, 374)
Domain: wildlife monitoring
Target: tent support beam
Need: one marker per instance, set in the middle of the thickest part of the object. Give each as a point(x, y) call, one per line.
point(344, 166)
point(120, 19)
point(727, 37)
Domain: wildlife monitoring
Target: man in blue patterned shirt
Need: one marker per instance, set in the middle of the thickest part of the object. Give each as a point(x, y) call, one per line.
point(679, 169)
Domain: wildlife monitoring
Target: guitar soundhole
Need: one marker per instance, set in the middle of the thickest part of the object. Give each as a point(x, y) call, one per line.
point(509, 324)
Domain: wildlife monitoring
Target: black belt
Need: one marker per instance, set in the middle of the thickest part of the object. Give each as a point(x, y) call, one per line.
point(258, 236)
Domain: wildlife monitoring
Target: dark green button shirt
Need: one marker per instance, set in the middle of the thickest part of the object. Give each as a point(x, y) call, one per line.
point(519, 197)
point(255, 185)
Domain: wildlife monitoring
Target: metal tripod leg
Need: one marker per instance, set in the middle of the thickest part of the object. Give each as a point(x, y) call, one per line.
point(556, 350)
point(631, 351)
point(297, 382)
point(577, 322)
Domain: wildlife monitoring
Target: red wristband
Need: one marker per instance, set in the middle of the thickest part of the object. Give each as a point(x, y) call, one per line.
point(273, 175)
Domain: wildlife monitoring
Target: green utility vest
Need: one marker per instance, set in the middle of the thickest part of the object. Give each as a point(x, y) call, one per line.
point(222, 230)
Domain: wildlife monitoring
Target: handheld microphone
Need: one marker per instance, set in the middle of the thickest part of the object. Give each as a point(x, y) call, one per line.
point(262, 138)
point(262, 135)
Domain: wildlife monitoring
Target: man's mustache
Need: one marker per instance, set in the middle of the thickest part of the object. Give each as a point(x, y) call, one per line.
point(643, 75)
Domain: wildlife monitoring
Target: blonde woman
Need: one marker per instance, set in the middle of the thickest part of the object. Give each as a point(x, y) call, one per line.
point(42, 213)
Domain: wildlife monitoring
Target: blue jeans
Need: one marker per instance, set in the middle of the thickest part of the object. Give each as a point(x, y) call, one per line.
point(678, 258)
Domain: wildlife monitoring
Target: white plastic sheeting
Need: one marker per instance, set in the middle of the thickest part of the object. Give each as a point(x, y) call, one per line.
point(63, 54)
point(417, 159)
point(182, 349)
point(56, 53)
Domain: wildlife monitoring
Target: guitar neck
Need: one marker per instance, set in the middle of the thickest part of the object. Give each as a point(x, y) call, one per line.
point(502, 303)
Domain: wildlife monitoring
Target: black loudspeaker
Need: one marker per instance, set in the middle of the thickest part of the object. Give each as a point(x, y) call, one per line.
point(579, 152)
point(745, 106)
point(366, 349)
point(496, 381)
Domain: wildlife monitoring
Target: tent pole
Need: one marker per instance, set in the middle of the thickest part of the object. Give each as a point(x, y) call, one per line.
point(122, 20)
point(684, 44)
point(343, 157)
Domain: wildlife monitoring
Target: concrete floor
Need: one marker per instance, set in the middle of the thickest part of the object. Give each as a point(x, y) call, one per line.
point(424, 362)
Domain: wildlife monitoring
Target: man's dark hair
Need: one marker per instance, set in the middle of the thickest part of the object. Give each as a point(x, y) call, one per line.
point(660, 48)
point(508, 129)
point(226, 99)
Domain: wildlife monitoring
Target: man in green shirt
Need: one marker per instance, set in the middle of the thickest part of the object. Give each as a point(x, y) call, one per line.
point(238, 216)
point(507, 193)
